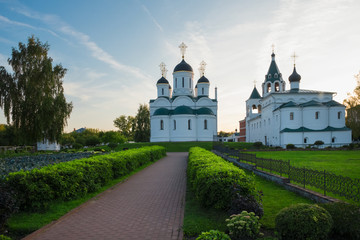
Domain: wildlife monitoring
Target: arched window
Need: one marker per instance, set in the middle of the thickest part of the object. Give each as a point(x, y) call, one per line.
point(174, 124)
point(202, 91)
point(277, 87)
point(305, 140)
point(268, 88)
point(259, 108)
point(333, 139)
point(161, 125)
point(183, 82)
point(189, 82)
point(189, 124)
point(339, 115)
point(317, 115)
point(162, 91)
point(269, 76)
point(205, 124)
point(291, 116)
point(275, 75)
point(176, 82)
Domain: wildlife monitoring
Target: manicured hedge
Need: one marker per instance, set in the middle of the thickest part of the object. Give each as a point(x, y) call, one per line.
point(213, 178)
point(70, 180)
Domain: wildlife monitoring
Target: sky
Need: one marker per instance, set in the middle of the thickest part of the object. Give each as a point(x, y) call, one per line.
point(112, 49)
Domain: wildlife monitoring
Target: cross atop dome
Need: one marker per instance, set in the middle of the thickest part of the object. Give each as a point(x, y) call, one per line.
point(182, 47)
point(294, 57)
point(163, 69)
point(202, 68)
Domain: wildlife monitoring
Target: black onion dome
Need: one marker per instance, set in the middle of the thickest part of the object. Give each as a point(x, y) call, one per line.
point(162, 80)
point(203, 79)
point(183, 66)
point(294, 77)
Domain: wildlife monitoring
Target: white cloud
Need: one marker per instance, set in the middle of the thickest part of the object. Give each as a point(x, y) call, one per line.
point(152, 18)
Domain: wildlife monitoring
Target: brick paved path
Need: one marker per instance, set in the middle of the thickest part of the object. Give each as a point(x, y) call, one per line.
point(149, 205)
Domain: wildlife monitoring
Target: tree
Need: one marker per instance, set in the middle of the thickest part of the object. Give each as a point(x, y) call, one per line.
point(32, 97)
point(113, 137)
point(125, 124)
point(352, 104)
point(142, 124)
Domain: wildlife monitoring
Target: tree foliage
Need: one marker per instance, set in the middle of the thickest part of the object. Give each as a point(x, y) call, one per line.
point(142, 124)
point(32, 97)
point(352, 104)
point(125, 124)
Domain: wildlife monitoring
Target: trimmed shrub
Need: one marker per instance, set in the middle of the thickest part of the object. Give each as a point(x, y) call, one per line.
point(290, 146)
point(303, 221)
point(247, 203)
point(212, 179)
point(213, 235)
point(258, 144)
point(243, 226)
point(318, 143)
point(8, 204)
point(3, 237)
point(346, 219)
point(35, 189)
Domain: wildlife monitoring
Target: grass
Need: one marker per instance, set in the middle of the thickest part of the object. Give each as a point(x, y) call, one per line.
point(170, 146)
point(198, 219)
point(24, 223)
point(342, 162)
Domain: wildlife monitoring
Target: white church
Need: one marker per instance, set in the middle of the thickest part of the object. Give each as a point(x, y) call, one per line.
point(296, 116)
point(184, 112)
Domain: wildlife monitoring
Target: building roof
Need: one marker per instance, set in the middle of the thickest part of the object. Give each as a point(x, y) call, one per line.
point(311, 103)
point(255, 94)
point(162, 80)
point(304, 129)
point(203, 79)
point(294, 77)
point(273, 73)
point(183, 110)
point(302, 91)
point(183, 66)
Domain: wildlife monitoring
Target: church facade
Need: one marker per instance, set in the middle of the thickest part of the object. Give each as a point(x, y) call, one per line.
point(183, 112)
point(296, 116)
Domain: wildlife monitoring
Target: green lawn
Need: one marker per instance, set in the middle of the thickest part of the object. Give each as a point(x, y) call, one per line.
point(342, 162)
point(170, 146)
point(198, 219)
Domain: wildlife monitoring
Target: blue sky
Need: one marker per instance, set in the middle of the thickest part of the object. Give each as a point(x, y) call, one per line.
point(112, 49)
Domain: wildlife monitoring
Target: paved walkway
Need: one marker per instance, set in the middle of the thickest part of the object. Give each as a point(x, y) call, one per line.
point(149, 205)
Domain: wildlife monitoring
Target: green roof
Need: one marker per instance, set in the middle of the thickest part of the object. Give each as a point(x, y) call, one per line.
point(311, 103)
point(183, 110)
point(304, 129)
point(273, 69)
point(255, 94)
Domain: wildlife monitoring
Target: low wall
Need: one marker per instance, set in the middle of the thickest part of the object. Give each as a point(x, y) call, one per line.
point(285, 182)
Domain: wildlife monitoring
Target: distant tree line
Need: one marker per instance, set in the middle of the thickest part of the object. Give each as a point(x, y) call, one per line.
point(352, 104)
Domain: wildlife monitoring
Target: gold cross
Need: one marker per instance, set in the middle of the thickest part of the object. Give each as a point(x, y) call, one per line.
point(294, 56)
point(182, 49)
point(254, 83)
point(272, 47)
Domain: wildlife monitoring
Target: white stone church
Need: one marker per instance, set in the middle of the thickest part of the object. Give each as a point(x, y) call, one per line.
point(296, 116)
point(184, 112)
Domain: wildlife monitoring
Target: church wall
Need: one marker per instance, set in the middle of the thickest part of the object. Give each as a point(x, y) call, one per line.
point(183, 101)
point(310, 120)
point(156, 134)
point(206, 134)
point(182, 133)
point(334, 121)
point(188, 86)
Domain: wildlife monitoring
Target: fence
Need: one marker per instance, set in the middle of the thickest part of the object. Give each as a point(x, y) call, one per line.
point(325, 181)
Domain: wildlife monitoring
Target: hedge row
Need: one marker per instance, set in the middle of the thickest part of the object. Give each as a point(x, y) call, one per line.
point(213, 179)
point(71, 180)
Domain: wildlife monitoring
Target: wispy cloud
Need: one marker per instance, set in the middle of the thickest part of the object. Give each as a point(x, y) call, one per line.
point(8, 21)
point(152, 18)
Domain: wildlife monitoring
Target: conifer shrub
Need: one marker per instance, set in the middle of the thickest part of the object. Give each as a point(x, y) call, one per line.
point(346, 219)
point(249, 203)
point(303, 221)
point(243, 226)
point(213, 235)
point(290, 146)
point(35, 189)
point(212, 179)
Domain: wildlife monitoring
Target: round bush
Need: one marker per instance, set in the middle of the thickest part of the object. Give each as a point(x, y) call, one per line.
point(346, 219)
point(213, 235)
point(243, 226)
point(290, 146)
point(303, 221)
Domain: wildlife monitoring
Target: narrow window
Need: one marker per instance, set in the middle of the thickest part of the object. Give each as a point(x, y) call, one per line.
point(339, 115)
point(205, 124)
point(317, 115)
point(291, 116)
point(189, 124)
point(305, 140)
point(161, 125)
point(176, 82)
point(189, 82)
point(183, 82)
point(174, 124)
point(268, 87)
point(202, 91)
point(259, 108)
point(162, 91)
point(333, 140)
point(277, 87)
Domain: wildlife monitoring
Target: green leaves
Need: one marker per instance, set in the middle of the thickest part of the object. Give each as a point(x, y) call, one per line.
point(33, 97)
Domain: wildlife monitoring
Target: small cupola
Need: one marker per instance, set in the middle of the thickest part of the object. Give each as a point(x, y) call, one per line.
point(203, 83)
point(163, 86)
point(294, 78)
point(273, 79)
